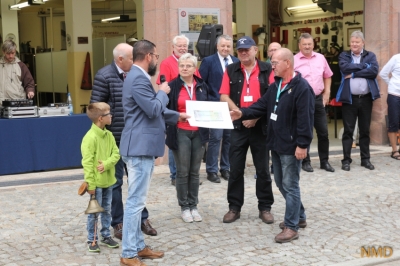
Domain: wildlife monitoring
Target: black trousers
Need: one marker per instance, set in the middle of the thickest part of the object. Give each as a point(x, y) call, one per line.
point(361, 108)
point(321, 127)
point(241, 140)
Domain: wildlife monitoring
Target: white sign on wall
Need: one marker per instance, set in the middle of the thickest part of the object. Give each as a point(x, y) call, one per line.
point(191, 20)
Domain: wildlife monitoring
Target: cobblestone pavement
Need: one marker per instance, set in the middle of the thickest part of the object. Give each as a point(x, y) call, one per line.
point(45, 224)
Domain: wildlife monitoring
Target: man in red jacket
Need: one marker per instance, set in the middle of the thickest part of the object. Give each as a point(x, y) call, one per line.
point(169, 68)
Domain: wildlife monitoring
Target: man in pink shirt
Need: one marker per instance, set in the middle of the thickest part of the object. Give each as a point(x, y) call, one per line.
point(315, 69)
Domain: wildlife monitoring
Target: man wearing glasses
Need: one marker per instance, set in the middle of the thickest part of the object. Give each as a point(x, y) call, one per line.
point(142, 139)
point(273, 46)
point(242, 85)
point(289, 103)
point(107, 87)
point(169, 66)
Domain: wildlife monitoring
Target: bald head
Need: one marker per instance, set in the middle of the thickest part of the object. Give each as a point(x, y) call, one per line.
point(282, 63)
point(122, 49)
point(273, 46)
point(123, 56)
point(284, 54)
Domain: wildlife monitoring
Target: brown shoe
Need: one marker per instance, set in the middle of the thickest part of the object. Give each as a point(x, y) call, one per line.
point(148, 253)
point(118, 231)
point(231, 216)
point(148, 229)
point(131, 262)
point(286, 235)
point(302, 224)
point(266, 217)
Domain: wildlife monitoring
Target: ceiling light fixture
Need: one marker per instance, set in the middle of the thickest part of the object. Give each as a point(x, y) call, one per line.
point(36, 2)
point(290, 11)
point(19, 6)
point(122, 17)
point(109, 19)
point(25, 4)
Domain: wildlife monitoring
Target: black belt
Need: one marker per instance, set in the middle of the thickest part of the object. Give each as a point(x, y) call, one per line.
point(360, 95)
point(317, 97)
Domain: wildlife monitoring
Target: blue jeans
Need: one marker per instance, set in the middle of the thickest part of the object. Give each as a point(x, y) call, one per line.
point(216, 135)
point(171, 163)
point(140, 169)
point(188, 160)
point(103, 197)
point(117, 206)
point(287, 176)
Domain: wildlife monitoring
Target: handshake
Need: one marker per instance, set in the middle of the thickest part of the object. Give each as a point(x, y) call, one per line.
point(235, 114)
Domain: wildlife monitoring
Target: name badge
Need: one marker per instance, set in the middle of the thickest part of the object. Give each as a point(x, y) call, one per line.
point(274, 116)
point(248, 99)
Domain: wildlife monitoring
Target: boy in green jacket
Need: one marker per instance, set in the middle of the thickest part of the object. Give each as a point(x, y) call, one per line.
point(99, 156)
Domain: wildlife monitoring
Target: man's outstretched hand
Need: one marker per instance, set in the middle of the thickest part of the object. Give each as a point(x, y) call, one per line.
point(183, 117)
point(235, 114)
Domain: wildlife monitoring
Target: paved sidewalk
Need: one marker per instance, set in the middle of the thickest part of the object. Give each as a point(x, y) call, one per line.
point(45, 224)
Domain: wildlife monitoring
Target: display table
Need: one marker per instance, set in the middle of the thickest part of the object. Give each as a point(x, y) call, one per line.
point(44, 143)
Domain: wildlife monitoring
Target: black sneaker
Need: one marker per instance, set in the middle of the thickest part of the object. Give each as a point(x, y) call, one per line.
point(111, 243)
point(93, 248)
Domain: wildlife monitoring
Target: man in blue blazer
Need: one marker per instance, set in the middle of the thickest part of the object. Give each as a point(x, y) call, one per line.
point(142, 140)
point(211, 70)
point(107, 87)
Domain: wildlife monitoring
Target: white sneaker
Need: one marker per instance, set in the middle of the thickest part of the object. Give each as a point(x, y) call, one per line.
point(187, 216)
point(196, 216)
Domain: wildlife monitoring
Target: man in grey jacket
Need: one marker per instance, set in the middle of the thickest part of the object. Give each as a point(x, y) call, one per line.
point(107, 87)
point(142, 140)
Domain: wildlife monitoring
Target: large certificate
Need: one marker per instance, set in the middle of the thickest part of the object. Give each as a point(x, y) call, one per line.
point(209, 114)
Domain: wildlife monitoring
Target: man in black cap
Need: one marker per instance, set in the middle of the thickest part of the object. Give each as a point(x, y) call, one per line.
point(243, 84)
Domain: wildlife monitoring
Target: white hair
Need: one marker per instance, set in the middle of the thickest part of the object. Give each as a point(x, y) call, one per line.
point(357, 34)
point(175, 39)
point(188, 56)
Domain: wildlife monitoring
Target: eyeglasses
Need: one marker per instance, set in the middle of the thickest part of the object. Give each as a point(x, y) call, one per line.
point(181, 46)
point(156, 55)
point(186, 66)
point(106, 114)
point(274, 63)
